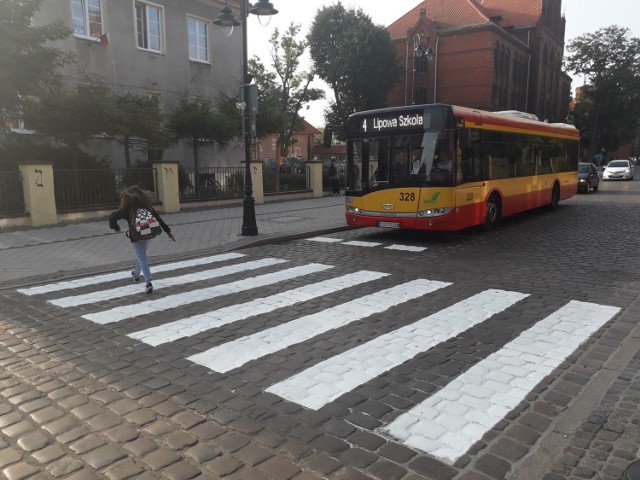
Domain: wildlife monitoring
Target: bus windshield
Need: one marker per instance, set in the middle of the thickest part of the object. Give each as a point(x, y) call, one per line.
point(426, 159)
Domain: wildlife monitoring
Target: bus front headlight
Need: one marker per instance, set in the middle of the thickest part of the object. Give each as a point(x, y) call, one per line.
point(435, 212)
point(350, 209)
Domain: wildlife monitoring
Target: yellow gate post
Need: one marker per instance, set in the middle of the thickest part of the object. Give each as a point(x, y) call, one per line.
point(39, 192)
point(315, 173)
point(167, 188)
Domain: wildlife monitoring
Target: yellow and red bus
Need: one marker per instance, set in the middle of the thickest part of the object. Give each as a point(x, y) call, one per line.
point(445, 168)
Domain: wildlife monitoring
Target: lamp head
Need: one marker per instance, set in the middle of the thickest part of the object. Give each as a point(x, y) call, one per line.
point(263, 7)
point(227, 20)
point(429, 54)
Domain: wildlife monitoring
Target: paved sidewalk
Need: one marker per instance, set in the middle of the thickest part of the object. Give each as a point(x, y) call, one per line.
point(33, 254)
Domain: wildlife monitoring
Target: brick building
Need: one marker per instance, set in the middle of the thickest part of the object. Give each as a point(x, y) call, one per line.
point(302, 148)
point(487, 54)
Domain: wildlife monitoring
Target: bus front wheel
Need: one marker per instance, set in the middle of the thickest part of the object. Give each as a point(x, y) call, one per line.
point(493, 212)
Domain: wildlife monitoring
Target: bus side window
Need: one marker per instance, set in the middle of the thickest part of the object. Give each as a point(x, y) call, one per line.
point(499, 167)
point(544, 164)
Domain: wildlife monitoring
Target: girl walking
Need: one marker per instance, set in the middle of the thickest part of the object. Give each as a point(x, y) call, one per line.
point(131, 200)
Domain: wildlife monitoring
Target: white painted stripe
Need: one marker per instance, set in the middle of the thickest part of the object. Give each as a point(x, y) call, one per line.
point(173, 301)
point(448, 423)
point(234, 354)
point(193, 325)
point(406, 248)
point(124, 275)
point(324, 240)
point(119, 292)
point(326, 381)
point(357, 243)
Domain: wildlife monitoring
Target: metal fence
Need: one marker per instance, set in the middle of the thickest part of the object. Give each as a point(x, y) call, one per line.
point(11, 193)
point(83, 188)
point(211, 183)
point(286, 179)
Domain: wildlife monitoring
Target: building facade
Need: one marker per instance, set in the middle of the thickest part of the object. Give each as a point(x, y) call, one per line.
point(267, 148)
point(166, 49)
point(486, 54)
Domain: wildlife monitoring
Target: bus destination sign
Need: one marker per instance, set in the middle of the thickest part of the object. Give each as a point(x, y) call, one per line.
point(400, 121)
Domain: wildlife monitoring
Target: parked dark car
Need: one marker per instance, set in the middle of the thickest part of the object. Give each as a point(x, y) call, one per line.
point(587, 177)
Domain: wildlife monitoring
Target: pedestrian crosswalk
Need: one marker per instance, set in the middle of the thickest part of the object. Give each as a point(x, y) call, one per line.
point(360, 243)
point(316, 386)
point(446, 424)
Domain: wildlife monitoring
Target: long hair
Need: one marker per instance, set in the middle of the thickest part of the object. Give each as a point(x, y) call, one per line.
point(136, 197)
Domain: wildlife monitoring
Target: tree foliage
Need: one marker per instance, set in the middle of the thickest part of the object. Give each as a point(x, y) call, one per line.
point(355, 57)
point(70, 117)
point(284, 92)
point(29, 64)
point(137, 123)
point(608, 107)
point(198, 121)
point(270, 117)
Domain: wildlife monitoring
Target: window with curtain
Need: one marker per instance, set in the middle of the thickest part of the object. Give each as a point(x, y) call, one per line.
point(198, 39)
point(86, 17)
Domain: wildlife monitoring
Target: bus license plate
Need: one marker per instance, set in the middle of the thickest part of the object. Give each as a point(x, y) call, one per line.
point(389, 224)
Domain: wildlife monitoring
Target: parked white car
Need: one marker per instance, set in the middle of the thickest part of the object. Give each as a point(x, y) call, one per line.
point(618, 170)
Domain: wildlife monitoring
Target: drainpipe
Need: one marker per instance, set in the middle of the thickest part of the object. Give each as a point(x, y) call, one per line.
point(435, 70)
point(406, 70)
point(113, 67)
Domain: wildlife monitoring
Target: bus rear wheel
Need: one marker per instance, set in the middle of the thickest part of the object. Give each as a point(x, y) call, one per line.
point(555, 198)
point(493, 212)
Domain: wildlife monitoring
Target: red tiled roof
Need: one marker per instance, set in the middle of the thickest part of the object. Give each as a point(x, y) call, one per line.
point(446, 13)
point(460, 13)
point(514, 12)
point(308, 128)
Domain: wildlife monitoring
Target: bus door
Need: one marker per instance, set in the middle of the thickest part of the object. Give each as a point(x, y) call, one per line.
point(471, 188)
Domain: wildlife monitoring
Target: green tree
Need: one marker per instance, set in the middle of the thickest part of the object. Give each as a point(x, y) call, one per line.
point(71, 118)
point(29, 64)
point(198, 121)
point(294, 87)
point(283, 92)
point(137, 123)
point(355, 57)
point(609, 104)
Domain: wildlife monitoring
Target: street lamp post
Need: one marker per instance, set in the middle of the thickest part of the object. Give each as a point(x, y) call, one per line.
point(228, 20)
point(420, 54)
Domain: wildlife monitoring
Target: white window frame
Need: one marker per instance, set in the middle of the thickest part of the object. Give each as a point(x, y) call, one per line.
point(86, 20)
point(198, 44)
point(147, 38)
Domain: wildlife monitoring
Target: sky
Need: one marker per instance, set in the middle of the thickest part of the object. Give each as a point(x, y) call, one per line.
point(583, 16)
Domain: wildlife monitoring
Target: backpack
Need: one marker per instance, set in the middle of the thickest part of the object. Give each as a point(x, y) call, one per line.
point(144, 225)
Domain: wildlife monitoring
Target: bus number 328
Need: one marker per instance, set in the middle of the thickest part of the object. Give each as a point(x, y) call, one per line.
point(407, 197)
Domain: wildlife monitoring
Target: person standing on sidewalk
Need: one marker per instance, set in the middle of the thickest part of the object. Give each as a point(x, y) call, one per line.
point(334, 178)
point(132, 199)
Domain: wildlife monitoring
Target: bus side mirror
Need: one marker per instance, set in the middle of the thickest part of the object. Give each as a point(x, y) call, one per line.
point(465, 138)
point(328, 137)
